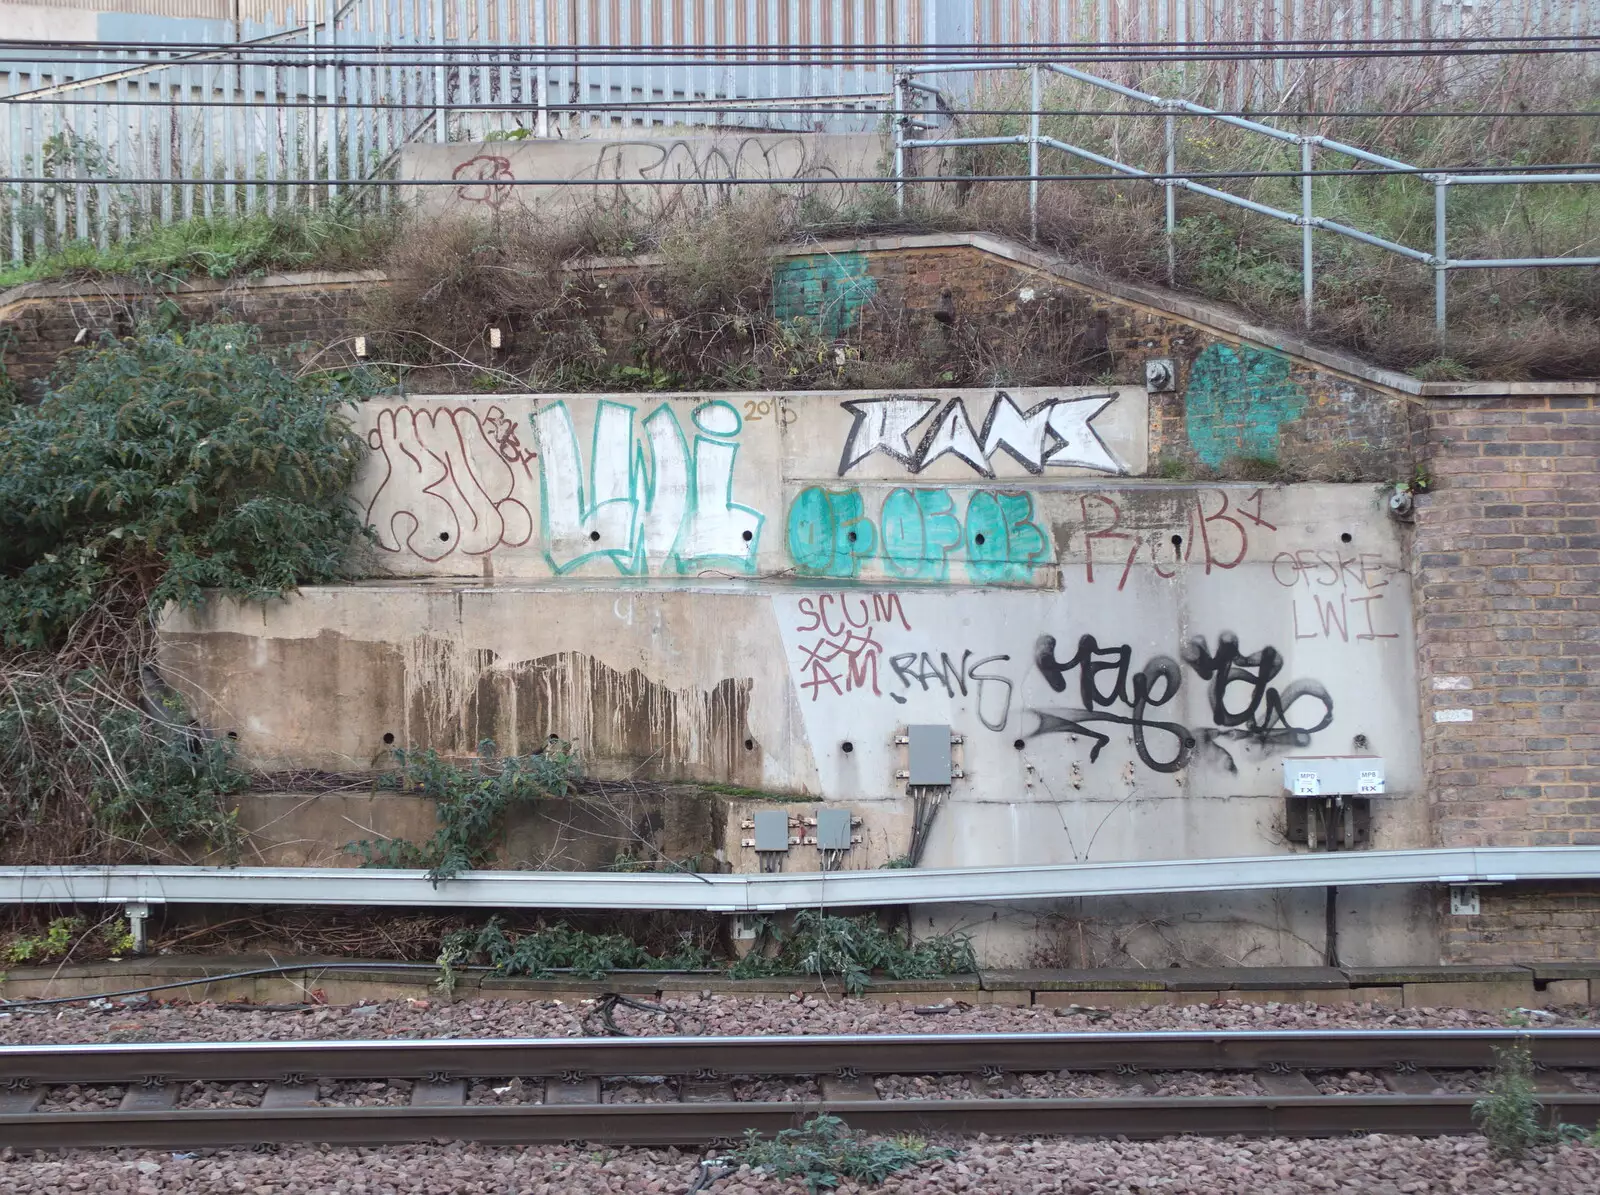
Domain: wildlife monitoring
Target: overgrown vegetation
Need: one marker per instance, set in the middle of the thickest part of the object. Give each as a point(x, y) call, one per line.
point(825, 1151)
point(224, 247)
point(853, 949)
point(1510, 1115)
point(66, 937)
point(1539, 322)
point(470, 802)
point(541, 952)
point(153, 468)
point(712, 313)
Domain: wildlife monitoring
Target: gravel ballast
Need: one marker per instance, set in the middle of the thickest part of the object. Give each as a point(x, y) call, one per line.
point(1371, 1165)
point(693, 1015)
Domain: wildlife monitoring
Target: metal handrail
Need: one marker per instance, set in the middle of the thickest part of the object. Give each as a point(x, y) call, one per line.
point(1171, 180)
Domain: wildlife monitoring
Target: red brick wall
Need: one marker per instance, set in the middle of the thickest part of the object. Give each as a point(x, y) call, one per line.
point(1507, 584)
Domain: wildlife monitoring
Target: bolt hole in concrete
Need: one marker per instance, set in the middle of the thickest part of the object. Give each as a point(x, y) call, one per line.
point(746, 536)
point(749, 744)
point(847, 746)
point(233, 735)
point(1177, 542)
point(1344, 537)
point(1361, 742)
point(594, 537)
point(978, 539)
point(852, 537)
point(388, 738)
point(444, 535)
point(1018, 744)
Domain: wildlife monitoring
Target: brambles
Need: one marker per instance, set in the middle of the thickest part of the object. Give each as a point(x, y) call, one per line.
point(559, 947)
point(151, 470)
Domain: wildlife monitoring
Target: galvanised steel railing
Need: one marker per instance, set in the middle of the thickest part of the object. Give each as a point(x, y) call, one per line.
point(1171, 179)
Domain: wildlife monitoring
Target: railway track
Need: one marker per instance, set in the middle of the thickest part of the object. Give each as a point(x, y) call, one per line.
point(694, 1078)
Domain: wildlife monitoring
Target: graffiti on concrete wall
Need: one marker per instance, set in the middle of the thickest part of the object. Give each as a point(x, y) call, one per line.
point(1236, 402)
point(707, 171)
point(677, 506)
point(1244, 702)
point(1337, 589)
point(1211, 698)
point(844, 653)
point(1056, 432)
point(454, 479)
point(650, 495)
point(916, 534)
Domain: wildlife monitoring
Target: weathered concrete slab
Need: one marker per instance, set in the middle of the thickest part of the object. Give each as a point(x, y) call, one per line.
point(654, 176)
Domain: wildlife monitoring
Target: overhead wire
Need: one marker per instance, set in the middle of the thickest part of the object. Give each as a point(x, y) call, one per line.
point(1559, 171)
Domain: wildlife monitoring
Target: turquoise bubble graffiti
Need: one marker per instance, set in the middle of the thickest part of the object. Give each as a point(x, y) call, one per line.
point(919, 529)
point(1003, 542)
point(916, 535)
point(828, 532)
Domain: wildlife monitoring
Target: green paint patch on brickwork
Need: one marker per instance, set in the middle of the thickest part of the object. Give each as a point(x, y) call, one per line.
point(828, 290)
point(1236, 401)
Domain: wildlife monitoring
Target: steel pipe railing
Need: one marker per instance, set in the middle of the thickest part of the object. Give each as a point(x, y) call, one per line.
point(1171, 180)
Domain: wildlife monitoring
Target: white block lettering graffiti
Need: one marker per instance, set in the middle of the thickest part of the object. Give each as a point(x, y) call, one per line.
point(672, 505)
point(452, 482)
point(1057, 432)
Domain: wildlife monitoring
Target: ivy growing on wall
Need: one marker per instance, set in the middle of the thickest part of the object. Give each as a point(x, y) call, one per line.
point(152, 469)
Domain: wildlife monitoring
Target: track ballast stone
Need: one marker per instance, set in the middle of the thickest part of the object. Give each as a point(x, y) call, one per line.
point(693, 1015)
point(1371, 1165)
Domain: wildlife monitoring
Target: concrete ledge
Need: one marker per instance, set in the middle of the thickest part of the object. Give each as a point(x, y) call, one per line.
point(342, 981)
point(1439, 974)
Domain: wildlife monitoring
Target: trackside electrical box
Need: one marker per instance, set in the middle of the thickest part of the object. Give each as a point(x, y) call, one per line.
point(772, 830)
point(833, 829)
point(1333, 776)
point(928, 756)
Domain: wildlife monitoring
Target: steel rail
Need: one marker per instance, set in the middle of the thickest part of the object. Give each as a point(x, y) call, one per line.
point(143, 1063)
point(694, 1124)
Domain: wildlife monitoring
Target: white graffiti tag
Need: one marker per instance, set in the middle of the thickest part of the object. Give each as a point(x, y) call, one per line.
point(671, 505)
point(1054, 432)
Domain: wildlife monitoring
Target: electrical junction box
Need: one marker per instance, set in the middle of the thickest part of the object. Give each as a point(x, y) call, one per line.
point(928, 754)
point(833, 829)
point(772, 830)
point(1333, 776)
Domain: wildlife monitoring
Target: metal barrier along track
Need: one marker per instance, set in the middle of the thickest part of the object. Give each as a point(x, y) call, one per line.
point(289, 1091)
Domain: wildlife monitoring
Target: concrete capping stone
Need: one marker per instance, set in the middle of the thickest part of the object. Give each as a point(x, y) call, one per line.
point(1560, 971)
point(1468, 986)
point(1452, 973)
point(1110, 979)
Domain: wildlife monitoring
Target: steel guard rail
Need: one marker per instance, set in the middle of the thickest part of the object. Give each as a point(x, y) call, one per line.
point(777, 892)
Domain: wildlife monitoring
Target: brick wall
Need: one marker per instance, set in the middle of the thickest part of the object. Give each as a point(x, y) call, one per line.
point(47, 320)
point(1507, 583)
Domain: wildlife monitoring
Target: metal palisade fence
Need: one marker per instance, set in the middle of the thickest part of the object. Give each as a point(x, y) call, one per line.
point(261, 105)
